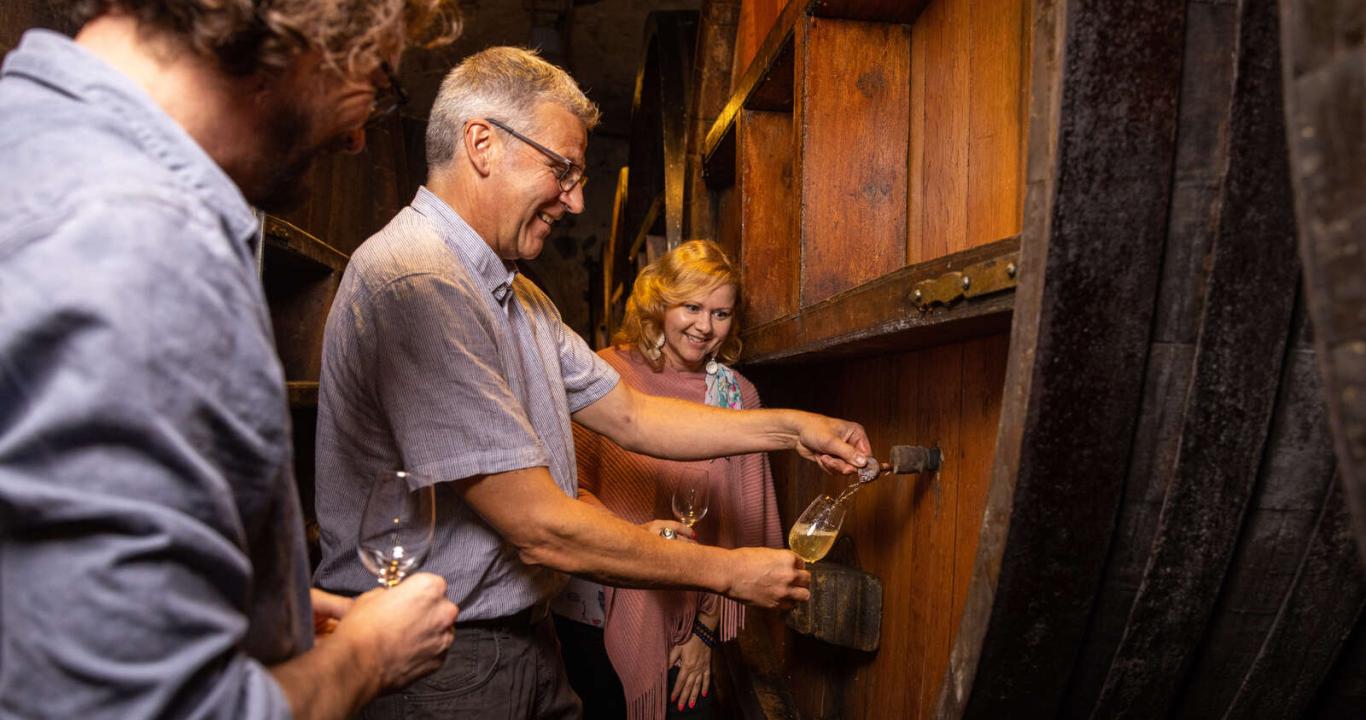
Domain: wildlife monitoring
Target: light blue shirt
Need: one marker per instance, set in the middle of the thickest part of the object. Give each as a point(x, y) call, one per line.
point(151, 553)
point(439, 359)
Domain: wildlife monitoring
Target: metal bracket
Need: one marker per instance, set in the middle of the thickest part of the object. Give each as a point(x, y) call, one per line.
point(983, 278)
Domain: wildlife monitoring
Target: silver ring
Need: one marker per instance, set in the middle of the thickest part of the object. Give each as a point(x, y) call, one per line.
point(667, 533)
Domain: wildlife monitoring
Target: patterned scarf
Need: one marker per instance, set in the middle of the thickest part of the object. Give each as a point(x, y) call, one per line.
point(722, 388)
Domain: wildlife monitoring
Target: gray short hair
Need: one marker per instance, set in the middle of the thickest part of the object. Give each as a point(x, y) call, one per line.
point(506, 83)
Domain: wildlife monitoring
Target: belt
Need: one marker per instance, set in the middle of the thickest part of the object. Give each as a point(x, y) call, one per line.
point(525, 618)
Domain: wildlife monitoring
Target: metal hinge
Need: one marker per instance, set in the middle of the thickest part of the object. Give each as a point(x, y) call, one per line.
point(983, 278)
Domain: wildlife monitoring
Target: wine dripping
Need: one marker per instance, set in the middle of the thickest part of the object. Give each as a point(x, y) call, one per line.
point(816, 529)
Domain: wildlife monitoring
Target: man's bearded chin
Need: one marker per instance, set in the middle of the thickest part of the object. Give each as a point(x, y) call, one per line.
point(282, 168)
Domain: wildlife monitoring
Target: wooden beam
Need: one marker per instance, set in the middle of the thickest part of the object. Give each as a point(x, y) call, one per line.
point(882, 316)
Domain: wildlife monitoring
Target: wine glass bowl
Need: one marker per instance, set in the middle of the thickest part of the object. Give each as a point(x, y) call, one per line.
point(396, 525)
point(816, 529)
point(691, 496)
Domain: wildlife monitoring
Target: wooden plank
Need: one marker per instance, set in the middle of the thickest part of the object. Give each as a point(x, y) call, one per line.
point(768, 246)
point(915, 131)
point(853, 76)
point(883, 11)
point(877, 392)
point(289, 238)
point(882, 315)
point(1343, 695)
point(611, 272)
point(302, 393)
point(1283, 531)
point(766, 85)
point(1201, 165)
point(1326, 114)
point(1071, 398)
point(753, 27)
point(984, 369)
point(1238, 366)
point(995, 151)
point(947, 34)
point(1312, 626)
point(938, 410)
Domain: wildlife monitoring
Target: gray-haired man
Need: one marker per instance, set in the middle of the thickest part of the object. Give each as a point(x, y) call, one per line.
point(441, 359)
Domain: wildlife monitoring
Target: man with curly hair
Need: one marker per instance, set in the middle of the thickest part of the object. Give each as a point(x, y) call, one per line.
point(152, 561)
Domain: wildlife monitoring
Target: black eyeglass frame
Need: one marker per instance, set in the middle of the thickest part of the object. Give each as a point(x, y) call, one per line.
point(389, 98)
point(567, 166)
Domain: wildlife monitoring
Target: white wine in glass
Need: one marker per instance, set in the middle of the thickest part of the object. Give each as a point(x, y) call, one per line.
point(396, 525)
point(816, 529)
point(691, 495)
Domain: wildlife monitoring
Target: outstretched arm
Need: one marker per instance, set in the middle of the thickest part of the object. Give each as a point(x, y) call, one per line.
point(551, 529)
point(681, 430)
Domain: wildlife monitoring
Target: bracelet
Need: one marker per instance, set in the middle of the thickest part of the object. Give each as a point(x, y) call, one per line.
point(704, 633)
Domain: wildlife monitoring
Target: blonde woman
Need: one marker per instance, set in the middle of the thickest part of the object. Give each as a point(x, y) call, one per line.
point(677, 339)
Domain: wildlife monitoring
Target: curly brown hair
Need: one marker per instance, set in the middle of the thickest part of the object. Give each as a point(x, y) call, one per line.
point(250, 36)
point(693, 268)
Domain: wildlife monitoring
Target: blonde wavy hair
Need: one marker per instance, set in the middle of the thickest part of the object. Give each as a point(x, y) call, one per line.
point(696, 267)
point(251, 36)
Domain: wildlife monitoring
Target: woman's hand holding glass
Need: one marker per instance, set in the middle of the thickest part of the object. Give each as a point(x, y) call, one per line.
point(691, 495)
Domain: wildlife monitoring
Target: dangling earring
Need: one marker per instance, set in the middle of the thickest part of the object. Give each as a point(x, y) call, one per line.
point(712, 365)
point(659, 344)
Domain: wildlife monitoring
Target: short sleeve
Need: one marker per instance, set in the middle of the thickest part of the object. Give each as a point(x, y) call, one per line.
point(441, 380)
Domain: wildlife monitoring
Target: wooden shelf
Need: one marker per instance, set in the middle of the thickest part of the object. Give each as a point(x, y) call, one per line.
point(883, 316)
point(302, 393)
point(766, 85)
point(769, 82)
point(297, 243)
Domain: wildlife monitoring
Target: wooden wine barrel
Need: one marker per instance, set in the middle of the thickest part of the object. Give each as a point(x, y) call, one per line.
point(1056, 240)
point(1325, 98)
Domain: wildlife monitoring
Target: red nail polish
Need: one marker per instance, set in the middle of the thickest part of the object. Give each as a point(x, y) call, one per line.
point(692, 704)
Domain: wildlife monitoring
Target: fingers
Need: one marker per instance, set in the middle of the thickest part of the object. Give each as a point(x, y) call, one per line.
point(329, 605)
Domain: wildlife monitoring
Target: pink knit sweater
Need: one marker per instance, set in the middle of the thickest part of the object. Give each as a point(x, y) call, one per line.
point(642, 625)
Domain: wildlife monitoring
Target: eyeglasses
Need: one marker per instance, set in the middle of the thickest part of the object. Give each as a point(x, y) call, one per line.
point(569, 173)
point(388, 98)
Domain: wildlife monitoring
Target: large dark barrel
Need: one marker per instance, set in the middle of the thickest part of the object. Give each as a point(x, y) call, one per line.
point(1058, 241)
point(1325, 99)
point(1166, 535)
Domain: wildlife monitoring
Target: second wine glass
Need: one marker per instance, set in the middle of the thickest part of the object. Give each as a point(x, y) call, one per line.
point(396, 525)
point(691, 495)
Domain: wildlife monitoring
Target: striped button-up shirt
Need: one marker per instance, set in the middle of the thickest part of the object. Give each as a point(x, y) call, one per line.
point(439, 359)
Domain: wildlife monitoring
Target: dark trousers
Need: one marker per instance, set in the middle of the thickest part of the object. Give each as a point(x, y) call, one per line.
point(590, 671)
point(507, 672)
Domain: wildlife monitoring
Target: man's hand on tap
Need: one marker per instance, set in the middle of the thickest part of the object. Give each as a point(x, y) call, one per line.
point(839, 446)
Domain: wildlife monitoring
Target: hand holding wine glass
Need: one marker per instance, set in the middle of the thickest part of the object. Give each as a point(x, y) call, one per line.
point(816, 529)
point(396, 525)
point(691, 495)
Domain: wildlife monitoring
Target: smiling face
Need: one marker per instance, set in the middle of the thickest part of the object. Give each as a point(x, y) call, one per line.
point(695, 328)
point(532, 199)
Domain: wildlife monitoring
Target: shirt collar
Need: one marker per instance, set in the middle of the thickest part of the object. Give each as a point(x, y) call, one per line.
point(54, 60)
point(495, 273)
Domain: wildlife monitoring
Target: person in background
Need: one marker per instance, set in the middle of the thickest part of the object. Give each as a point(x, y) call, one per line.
point(677, 336)
point(440, 358)
point(152, 558)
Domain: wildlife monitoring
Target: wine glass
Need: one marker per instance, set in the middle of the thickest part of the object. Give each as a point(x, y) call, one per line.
point(816, 529)
point(691, 495)
point(396, 525)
